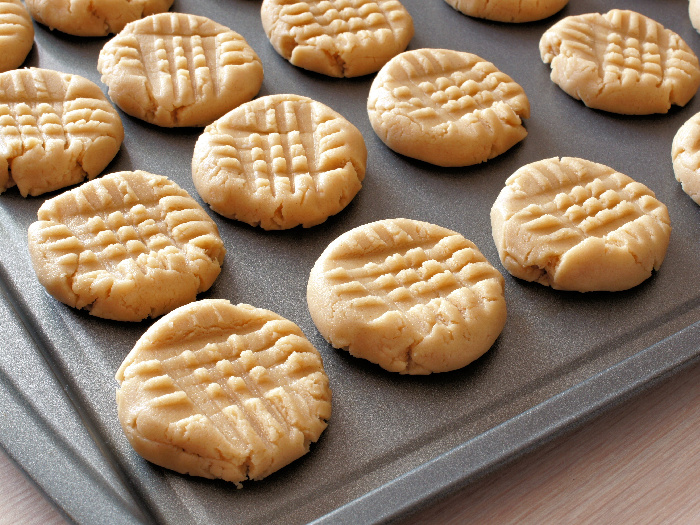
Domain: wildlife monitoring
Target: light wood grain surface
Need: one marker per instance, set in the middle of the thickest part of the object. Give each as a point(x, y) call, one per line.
point(639, 463)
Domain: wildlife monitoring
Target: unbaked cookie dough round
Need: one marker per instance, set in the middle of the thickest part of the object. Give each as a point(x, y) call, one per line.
point(223, 391)
point(339, 38)
point(16, 34)
point(410, 296)
point(94, 17)
point(126, 246)
point(446, 107)
point(515, 11)
point(685, 153)
point(175, 69)
point(573, 224)
point(621, 62)
point(694, 13)
point(278, 162)
point(56, 130)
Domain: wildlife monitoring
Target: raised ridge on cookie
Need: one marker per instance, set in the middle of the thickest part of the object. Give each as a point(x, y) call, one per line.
point(175, 69)
point(446, 107)
point(16, 34)
point(573, 224)
point(126, 246)
point(278, 162)
point(621, 61)
point(56, 130)
point(410, 296)
point(339, 38)
point(223, 391)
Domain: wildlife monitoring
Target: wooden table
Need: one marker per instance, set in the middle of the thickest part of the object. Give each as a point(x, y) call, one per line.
point(638, 463)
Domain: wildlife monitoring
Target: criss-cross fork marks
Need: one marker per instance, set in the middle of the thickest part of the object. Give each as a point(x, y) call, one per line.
point(13, 20)
point(435, 89)
point(251, 382)
point(34, 115)
point(283, 147)
point(563, 209)
point(116, 227)
point(182, 60)
point(626, 46)
point(179, 67)
point(413, 276)
point(313, 20)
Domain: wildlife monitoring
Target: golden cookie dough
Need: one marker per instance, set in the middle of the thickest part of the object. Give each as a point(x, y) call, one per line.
point(446, 107)
point(279, 161)
point(685, 152)
point(173, 69)
point(410, 296)
point(516, 11)
point(94, 17)
point(694, 13)
point(56, 130)
point(621, 62)
point(576, 225)
point(223, 391)
point(339, 38)
point(126, 246)
point(16, 34)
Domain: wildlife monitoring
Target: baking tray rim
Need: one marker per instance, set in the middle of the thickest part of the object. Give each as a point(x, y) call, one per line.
point(530, 430)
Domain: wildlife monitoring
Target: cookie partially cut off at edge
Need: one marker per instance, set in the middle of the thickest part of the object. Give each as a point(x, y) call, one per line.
point(410, 296)
point(573, 224)
point(278, 162)
point(685, 153)
point(445, 107)
point(56, 130)
point(621, 62)
point(338, 38)
point(126, 246)
point(175, 69)
point(16, 34)
point(516, 11)
point(94, 17)
point(694, 13)
point(223, 391)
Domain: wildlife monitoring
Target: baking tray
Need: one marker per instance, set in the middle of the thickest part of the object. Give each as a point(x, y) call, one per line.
point(394, 443)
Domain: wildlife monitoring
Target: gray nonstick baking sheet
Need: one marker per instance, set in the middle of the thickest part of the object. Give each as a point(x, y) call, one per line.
point(394, 443)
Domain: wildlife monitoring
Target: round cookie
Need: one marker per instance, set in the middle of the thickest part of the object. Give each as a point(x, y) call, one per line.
point(694, 13)
point(339, 38)
point(576, 225)
point(621, 62)
point(56, 130)
point(174, 69)
point(94, 18)
point(16, 34)
point(126, 246)
point(685, 153)
point(223, 391)
point(515, 11)
point(279, 161)
point(410, 296)
point(446, 107)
